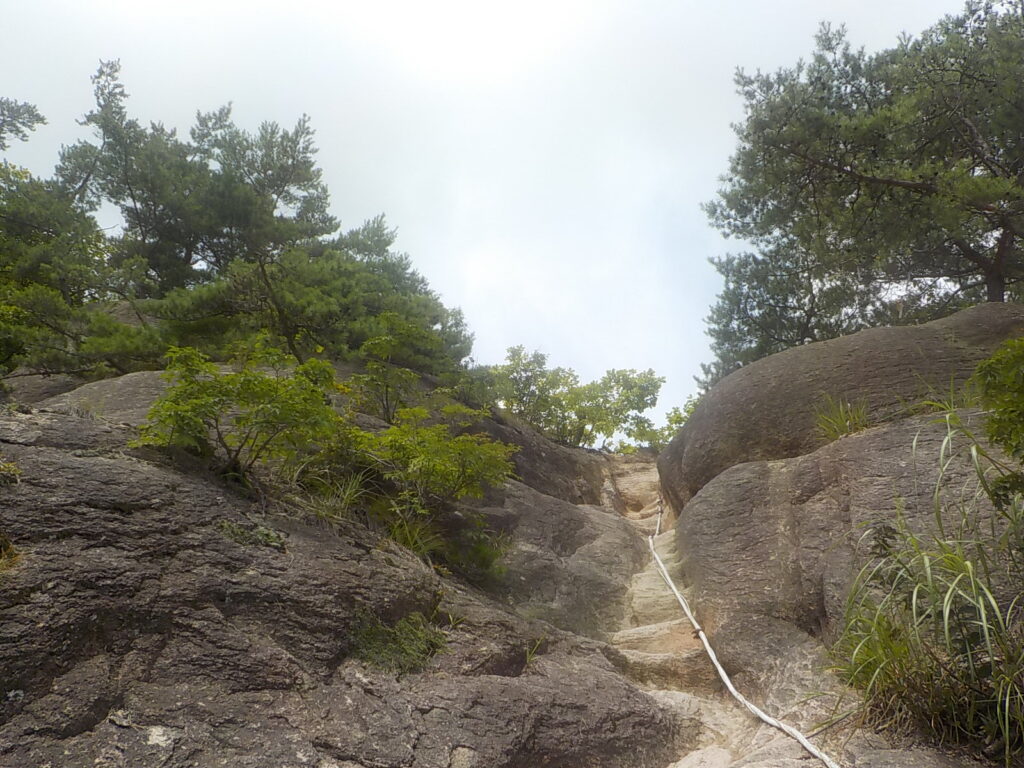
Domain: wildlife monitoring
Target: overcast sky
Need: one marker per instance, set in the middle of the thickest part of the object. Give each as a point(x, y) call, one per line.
point(544, 162)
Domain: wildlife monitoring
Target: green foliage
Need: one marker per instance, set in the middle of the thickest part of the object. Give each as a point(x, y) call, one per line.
point(409, 524)
point(658, 438)
point(225, 235)
point(388, 386)
point(535, 648)
point(259, 535)
point(9, 554)
point(836, 417)
point(436, 466)
point(403, 647)
point(952, 398)
point(879, 188)
point(409, 477)
point(17, 118)
point(246, 416)
point(192, 208)
point(933, 631)
point(10, 473)
point(568, 411)
point(332, 502)
point(1001, 383)
point(55, 286)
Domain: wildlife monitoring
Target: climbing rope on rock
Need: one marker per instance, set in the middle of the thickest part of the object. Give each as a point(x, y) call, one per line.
point(759, 713)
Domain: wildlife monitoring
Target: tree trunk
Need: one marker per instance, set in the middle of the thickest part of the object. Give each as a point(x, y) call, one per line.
point(995, 277)
point(995, 286)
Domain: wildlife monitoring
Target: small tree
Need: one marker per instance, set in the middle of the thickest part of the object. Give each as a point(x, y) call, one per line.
point(240, 418)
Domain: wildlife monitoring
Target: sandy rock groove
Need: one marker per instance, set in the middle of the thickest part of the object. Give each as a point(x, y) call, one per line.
point(136, 631)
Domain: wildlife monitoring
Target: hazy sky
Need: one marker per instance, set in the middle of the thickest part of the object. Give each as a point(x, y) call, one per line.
point(544, 162)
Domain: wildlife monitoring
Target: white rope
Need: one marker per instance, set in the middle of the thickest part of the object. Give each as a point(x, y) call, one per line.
point(787, 729)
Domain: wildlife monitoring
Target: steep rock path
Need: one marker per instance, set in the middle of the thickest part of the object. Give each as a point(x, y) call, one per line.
point(660, 651)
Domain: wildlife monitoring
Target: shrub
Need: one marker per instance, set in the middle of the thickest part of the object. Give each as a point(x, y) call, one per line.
point(1000, 381)
point(384, 389)
point(240, 418)
point(557, 403)
point(10, 473)
point(402, 647)
point(436, 466)
point(259, 535)
point(8, 553)
point(933, 629)
point(410, 475)
point(837, 418)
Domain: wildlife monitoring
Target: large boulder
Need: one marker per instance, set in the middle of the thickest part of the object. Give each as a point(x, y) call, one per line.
point(783, 540)
point(766, 410)
point(149, 620)
point(770, 549)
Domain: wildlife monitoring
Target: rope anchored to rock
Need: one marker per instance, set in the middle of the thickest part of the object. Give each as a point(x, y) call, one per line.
point(759, 713)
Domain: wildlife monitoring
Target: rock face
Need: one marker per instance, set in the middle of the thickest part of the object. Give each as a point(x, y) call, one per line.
point(567, 564)
point(768, 549)
point(766, 410)
point(778, 543)
point(145, 625)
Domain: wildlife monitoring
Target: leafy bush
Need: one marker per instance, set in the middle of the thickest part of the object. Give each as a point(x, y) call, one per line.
point(8, 553)
point(657, 438)
point(556, 402)
point(240, 418)
point(837, 418)
point(436, 466)
point(402, 647)
point(10, 473)
point(933, 631)
point(409, 476)
point(1001, 385)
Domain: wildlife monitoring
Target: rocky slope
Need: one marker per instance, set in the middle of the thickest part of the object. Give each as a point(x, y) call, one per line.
point(154, 618)
point(147, 624)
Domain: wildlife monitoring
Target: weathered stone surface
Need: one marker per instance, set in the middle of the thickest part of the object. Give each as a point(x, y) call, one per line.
point(766, 410)
point(769, 549)
point(570, 474)
point(135, 632)
point(121, 400)
point(635, 480)
point(778, 539)
point(708, 757)
point(28, 388)
point(567, 564)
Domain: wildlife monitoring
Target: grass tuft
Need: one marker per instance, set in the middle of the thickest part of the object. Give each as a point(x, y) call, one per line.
point(9, 554)
point(10, 473)
point(259, 536)
point(837, 418)
point(403, 647)
point(933, 631)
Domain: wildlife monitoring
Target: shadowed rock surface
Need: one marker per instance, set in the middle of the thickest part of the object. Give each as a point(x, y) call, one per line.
point(567, 564)
point(766, 410)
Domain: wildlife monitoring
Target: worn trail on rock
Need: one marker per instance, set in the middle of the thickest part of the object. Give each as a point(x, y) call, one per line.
point(670, 656)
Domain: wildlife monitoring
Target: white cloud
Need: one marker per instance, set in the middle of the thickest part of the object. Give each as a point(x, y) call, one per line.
point(543, 161)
